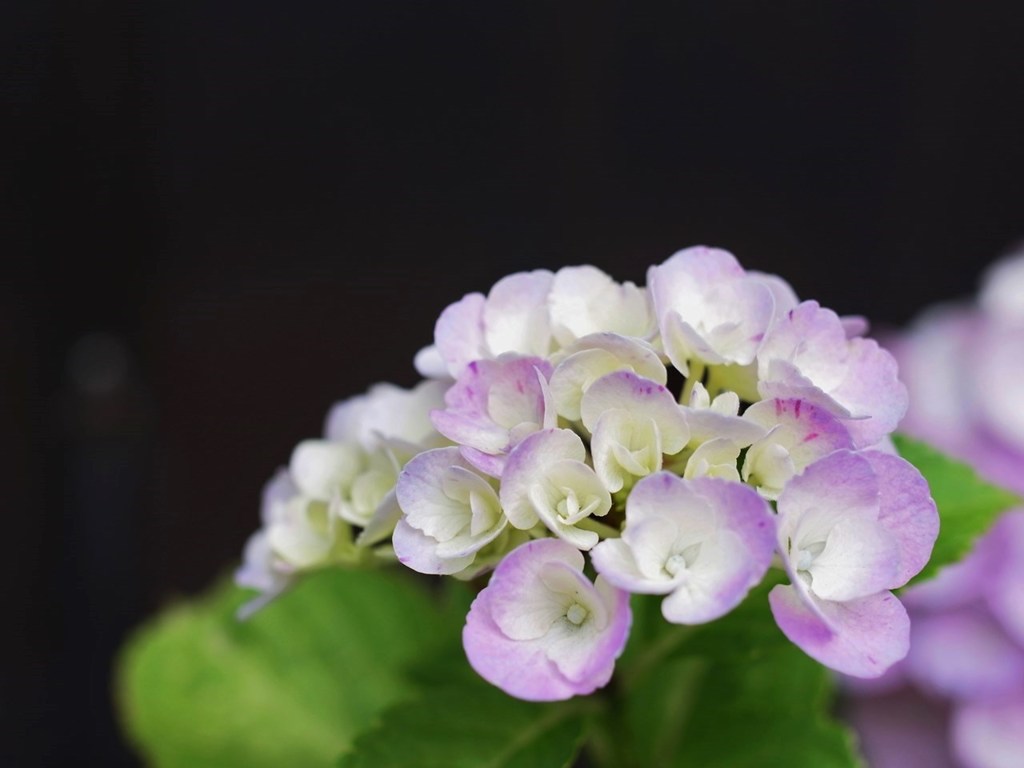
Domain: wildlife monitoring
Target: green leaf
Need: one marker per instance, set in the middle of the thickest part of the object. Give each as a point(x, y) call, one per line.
point(293, 685)
point(470, 724)
point(731, 694)
point(967, 504)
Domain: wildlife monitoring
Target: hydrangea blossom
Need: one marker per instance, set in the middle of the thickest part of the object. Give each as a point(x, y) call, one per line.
point(493, 405)
point(541, 630)
point(652, 429)
point(451, 513)
point(339, 483)
point(704, 543)
point(848, 535)
point(958, 697)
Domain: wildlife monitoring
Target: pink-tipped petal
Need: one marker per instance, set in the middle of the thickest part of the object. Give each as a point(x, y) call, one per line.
point(807, 355)
point(495, 403)
point(624, 390)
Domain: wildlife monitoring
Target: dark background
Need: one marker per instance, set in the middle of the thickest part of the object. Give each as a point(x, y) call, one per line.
point(262, 206)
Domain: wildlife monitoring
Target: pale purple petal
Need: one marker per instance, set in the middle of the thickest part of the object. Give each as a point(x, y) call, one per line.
point(421, 494)
point(459, 333)
point(990, 734)
point(907, 512)
point(709, 308)
point(261, 571)
point(871, 387)
point(964, 654)
point(812, 339)
point(521, 605)
point(798, 433)
point(418, 551)
point(641, 397)
point(277, 491)
point(808, 356)
point(706, 541)
point(783, 293)
point(855, 325)
point(495, 403)
point(550, 657)
point(492, 464)
point(735, 561)
point(861, 637)
point(450, 513)
point(839, 485)
point(830, 532)
point(515, 315)
point(615, 559)
point(258, 569)
point(520, 668)
point(593, 356)
point(811, 431)
point(588, 656)
point(526, 464)
point(860, 558)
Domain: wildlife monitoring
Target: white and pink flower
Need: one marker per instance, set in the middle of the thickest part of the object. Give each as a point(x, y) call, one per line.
point(541, 630)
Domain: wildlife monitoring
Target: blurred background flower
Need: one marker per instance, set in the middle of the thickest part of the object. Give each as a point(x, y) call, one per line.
point(219, 218)
point(958, 697)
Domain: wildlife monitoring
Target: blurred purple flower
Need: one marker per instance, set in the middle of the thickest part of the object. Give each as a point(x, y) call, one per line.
point(957, 700)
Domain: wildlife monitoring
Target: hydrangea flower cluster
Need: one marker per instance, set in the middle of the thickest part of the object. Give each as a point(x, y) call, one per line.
point(682, 437)
point(958, 697)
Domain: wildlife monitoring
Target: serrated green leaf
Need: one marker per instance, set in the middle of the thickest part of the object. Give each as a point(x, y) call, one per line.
point(967, 504)
point(734, 693)
point(292, 686)
point(470, 724)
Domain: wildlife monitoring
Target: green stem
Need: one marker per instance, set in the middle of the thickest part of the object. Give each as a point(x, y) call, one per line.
point(696, 374)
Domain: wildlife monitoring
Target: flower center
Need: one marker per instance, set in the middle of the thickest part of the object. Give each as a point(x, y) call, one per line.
point(577, 614)
point(675, 564)
point(571, 508)
point(804, 558)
